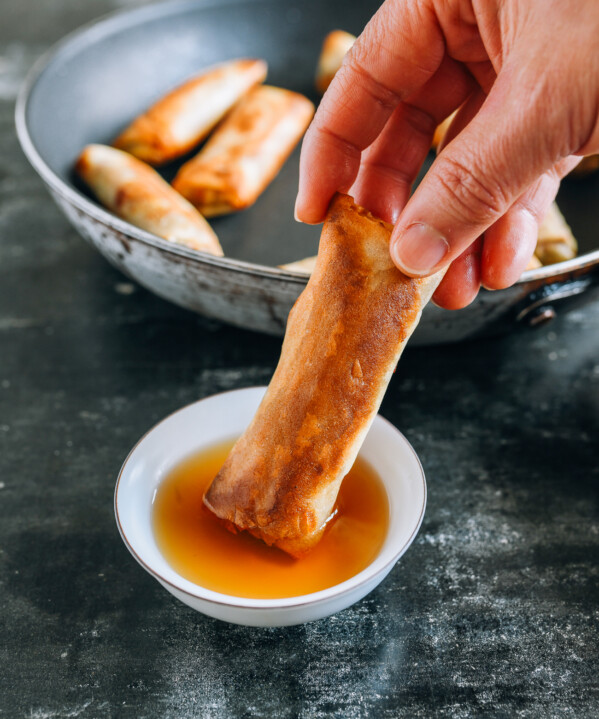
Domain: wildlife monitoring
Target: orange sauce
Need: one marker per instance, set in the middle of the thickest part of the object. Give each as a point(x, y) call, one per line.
point(200, 549)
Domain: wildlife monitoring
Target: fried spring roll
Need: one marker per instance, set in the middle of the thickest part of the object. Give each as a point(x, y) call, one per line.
point(305, 266)
point(534, 263)
point(184, 117)
point(344, 337)
point(334, 48)
point(555, 242)
point(246, 151)
point(137, 193)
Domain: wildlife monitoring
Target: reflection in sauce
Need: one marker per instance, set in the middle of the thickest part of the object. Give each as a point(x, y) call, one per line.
point(200, 549)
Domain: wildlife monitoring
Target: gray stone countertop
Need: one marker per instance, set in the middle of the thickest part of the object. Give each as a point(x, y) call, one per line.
point(493, 612)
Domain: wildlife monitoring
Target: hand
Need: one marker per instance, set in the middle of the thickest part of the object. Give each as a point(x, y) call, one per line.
point(525, 76)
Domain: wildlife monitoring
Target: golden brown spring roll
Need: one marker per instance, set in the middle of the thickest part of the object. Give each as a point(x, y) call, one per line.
point(344, 337)
point(305, 266)
point(137, 193)
point(246, 151)
point(533, 264)
point(183, 118)
point(555, 242)
point(334, 48)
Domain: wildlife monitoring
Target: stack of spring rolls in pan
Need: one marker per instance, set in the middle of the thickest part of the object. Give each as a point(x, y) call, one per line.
point(346, 331)
point(251, 129)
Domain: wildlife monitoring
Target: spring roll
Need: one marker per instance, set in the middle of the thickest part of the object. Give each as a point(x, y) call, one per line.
point(533, 264)
point(137, 193)
point(555, 242)
point(344, 337)
point(184, 117)
point(334, 48)
point(246, 151)
point(305, 266)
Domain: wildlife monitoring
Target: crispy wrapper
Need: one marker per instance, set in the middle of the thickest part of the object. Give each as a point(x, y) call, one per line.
point(183, 118)
point(334, 48)
point(246, 151)
point(555, 242)
point(137, 193)
point(344, 337)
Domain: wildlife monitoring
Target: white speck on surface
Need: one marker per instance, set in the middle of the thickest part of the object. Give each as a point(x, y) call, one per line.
point(6, 383)
point(68, 713)
point(125, 288)
point(552, 356)
point(2, 485)
point(4, 428)
point(84, 414)
point(16, 323)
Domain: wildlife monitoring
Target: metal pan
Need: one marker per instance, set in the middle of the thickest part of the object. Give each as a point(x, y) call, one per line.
point(97, 79)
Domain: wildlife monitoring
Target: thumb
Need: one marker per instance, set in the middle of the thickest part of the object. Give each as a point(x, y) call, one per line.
point(477, 177)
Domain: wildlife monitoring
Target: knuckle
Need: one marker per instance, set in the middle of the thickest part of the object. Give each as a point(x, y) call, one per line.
point(475, 197)
point(418, 120)
point(358, 66)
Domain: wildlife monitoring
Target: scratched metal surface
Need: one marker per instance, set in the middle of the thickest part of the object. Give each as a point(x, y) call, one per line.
point(493, 612)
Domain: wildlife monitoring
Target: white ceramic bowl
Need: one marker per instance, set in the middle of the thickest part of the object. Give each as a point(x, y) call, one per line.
point(223, 416)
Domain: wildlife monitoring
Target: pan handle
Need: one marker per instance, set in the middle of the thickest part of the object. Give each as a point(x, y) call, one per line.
point(540, 305)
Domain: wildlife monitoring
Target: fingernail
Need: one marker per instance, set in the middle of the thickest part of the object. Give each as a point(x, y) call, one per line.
point(419, 249)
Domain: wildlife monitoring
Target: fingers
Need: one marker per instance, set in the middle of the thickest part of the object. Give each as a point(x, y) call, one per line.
point(390, 165)
point(510, 242)
point(399, 51)
point(507, 247)
point(462, 280)
point(473, 181)
point(463, 116)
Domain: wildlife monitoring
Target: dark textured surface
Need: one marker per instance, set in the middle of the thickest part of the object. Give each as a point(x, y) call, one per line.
point(494, 611)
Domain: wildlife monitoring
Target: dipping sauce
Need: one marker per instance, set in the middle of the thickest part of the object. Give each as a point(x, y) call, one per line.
point(199, 548)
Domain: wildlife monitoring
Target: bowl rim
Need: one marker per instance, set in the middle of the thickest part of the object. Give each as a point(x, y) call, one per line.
point(226, 600)
point(127, 17)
